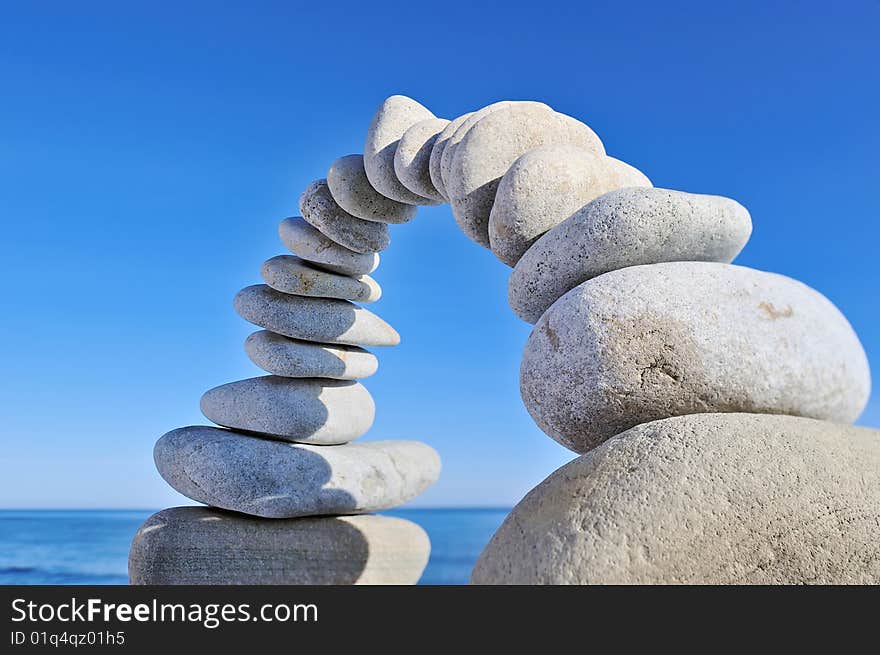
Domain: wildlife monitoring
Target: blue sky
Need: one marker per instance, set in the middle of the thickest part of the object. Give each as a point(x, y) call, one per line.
point(148, 151)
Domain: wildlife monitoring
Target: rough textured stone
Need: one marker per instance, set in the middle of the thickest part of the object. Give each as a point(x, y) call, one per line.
point(321, 211)
point(394, 117)
point(623, 228)
point(413, 156)
point(541, 189)
point(203, 546)
point(702, 499)
point(491, 146)
point(290, 274)
point(325, 320)
point(273, 479)
point(350, 188)
point(437, 153)
point(305, 410)
point(301, 359)
point(305, 241)
point(648, 342)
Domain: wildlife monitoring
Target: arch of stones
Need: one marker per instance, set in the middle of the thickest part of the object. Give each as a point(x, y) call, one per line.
point(709, 401)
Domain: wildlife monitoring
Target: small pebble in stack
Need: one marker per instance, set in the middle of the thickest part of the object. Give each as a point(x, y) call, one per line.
point(285, 450)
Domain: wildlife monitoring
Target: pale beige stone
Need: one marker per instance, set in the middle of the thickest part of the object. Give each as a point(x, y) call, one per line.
point(541, 189)
point(626, 227)
point(702, 499)
point(649, 342)
point(350, 188)
point(413, 156)
point(393, 117)
point(492, 145)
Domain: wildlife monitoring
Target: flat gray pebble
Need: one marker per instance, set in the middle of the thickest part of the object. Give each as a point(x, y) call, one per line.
point(321, 211)
point(304, 410)
point(292, 358)
point(290, 274)
point(307, 243)
point(350, 188)
point(626, 227)
point(324, 320)
point(273, 479)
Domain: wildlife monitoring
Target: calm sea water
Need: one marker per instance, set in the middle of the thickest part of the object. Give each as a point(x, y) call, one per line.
point(91, 547)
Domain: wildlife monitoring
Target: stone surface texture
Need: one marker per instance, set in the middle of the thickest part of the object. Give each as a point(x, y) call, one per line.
point(324, 320)
point(308, 243)
point(321, 211)
point(304, 410)
point(649, 342)
point(350, 188)
point(702, 499)
point(289, 274)
point(394, 117)
point(203, 546)
point(413, 156)
point(491, 146)
point(273, 479)
point(541, 189)
point(626, 227)
point(292, 358)
point(437, 153)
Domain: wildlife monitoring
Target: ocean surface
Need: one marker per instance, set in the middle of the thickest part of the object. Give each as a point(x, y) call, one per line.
point(90, 547)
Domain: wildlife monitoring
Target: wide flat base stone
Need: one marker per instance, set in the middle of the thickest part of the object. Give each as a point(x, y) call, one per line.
point(205, 546)
point(702, 499)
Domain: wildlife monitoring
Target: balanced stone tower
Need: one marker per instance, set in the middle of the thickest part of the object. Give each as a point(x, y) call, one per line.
point(710, 403)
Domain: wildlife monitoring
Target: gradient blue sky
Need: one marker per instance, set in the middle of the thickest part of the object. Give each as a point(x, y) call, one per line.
point(148, 151)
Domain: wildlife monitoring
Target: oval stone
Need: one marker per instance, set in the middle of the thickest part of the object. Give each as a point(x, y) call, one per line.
point(394, 117)
point(437, 153)
point(413, 155)
point(325, 320)
point(323, 213)
point(306, 242)
point(290, 274)
point(448, 154)
point(492, 145)
point(205, 546)
point(291, 358)
point(273, 479)
point(305, 410)
point(626, 227)
point(649, 342)
point(540, 190)
point(352, 191)
point(702, 499)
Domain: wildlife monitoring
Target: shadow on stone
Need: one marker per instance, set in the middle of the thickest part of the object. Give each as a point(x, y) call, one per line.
point(256, 476)
point(201, 545)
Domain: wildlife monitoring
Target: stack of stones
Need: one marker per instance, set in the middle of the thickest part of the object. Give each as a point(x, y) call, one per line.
point(286, 447)
point(709, 402)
